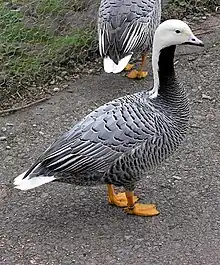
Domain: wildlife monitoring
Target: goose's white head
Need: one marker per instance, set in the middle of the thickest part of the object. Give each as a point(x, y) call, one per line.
point(174, 32)
point(170, 32)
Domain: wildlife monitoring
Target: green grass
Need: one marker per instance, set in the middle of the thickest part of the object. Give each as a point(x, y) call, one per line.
point(36, 42)
point(59, 6)
point(54, 6)
point(29, 51)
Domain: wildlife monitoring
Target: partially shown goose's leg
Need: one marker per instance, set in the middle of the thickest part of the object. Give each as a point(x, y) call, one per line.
point(119, 199)
point(138, 208)
point(129, 67)
point(135, 74)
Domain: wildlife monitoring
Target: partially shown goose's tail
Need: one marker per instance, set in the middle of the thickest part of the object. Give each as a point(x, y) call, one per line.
point(31, 179)
point(111, 67)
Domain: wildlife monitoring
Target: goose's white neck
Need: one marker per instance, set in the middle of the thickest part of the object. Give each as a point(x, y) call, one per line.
point(159, 43)
point(155, 67)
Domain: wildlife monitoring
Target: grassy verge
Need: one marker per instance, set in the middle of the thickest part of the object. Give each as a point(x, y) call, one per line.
point(40, 38)
point(33, 48)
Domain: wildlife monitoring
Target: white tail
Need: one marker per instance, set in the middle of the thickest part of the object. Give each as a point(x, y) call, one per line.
point(30, 183)
point(111, 67)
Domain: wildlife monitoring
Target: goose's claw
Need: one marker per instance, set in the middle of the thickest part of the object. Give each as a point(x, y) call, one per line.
point(135, 74)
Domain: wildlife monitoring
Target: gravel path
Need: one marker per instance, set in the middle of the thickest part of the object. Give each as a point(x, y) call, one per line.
point(59, 224)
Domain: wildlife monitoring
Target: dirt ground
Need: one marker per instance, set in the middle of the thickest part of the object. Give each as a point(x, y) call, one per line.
point(63, 224)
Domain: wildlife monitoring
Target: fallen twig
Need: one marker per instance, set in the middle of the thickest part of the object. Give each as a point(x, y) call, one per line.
point(23, 107)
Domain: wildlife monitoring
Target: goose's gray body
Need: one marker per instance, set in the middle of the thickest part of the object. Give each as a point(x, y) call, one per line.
point(127, 26)
point(121, 140)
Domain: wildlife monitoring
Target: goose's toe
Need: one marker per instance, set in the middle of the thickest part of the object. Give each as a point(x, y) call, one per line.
point(142, 209)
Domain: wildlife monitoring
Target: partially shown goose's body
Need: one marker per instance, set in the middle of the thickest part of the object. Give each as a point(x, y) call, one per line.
point(126, 27)
point(121, 140)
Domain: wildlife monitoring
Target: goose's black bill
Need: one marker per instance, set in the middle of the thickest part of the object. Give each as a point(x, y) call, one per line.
point(201, 44)
point(193, 40)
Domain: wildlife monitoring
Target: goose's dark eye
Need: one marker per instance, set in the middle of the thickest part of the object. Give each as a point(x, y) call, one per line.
point(177, 31)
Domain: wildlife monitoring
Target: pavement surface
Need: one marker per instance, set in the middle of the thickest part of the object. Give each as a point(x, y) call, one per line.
point(60, 224)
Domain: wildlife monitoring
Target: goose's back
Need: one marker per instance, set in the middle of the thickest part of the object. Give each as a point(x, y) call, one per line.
point(127, 26)
point(116, 12)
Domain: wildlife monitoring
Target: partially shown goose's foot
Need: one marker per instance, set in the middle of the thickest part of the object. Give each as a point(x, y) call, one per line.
point(142, 209)
point(120, 199)
point(129, 67)
point(138, 208)
point(135, 74)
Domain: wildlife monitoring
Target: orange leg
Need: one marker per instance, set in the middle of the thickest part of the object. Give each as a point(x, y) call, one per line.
point(119, 199)
point(138, 208)
point(143, 74)
point(135, 74)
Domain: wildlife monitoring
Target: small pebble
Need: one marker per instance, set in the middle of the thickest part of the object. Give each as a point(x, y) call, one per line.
point(204, 96)
point(65, 86)
point(64, 73)
point(34, 125)
point(195, 18)
point(59, 78)
point(56, 89)
point(8, 147)
point(9, 124)
point(3, 138)
point(177, 177)
point(4, 129)
point(44, 195)
point(128, 237)
point(52, 82)
point(191, 59)
point(67, 77)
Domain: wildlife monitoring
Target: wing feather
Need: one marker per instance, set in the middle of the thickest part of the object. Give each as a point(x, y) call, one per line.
point(103, 136)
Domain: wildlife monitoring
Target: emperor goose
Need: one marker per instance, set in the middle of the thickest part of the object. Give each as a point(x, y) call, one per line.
point(118, 143)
